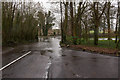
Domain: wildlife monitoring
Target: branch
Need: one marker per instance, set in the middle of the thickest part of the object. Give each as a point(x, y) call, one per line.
point(103, 10)
point(84, 7)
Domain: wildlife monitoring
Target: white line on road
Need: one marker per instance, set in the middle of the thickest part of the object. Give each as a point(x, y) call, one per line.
point(15, 60)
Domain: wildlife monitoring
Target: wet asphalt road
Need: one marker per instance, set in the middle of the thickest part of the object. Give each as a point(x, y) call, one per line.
point(48, 60)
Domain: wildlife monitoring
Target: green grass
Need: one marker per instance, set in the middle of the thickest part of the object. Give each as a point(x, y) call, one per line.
point(101, 43)
point(92, 31)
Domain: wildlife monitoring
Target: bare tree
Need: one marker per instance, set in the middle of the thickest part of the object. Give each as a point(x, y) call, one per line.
point(62, 34)
point(119, 25)
point(96, 18)
point(108, 19)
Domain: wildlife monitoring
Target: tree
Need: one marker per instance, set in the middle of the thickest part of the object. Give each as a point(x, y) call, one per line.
point(116, 28)
point(104, 26)
point(41, 20)
point(49, 18)
point(96, 19)
point(81, 9)
point(62, 34)
point(65, 22)
point(73, 28)
point(108, 19)
point(118, 42)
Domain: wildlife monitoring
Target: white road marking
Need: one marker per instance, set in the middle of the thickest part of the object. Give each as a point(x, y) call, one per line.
point(15, 60)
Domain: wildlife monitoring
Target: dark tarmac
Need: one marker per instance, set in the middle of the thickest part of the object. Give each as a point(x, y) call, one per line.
point(48, 60)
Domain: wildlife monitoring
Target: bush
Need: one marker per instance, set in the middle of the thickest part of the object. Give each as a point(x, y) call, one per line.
point(69, 40)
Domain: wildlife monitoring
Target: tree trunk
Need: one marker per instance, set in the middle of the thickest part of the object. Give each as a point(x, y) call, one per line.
point(66, 23)
point(97, 18)
point(96, 21)
point(61, 22)
point(108, 20)
point(72, 23)
point(104, 26)
point(119, 26)
point(116, 34)
point(78, 24)
point(79, 27)
point(86, 30)
point(96, 35)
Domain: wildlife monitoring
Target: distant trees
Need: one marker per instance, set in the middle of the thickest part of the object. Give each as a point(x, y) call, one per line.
point(41, 21)
point(45, 22)
point(49, 18)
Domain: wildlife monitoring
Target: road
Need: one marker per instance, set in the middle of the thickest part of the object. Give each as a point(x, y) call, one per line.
point(48, 60)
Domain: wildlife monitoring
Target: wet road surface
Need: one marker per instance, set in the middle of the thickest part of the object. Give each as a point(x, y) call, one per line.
point(48, 60)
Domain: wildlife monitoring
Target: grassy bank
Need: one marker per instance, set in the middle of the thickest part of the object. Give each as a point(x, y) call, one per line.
point(104, 46)
point(90, 42)
point(101, 43)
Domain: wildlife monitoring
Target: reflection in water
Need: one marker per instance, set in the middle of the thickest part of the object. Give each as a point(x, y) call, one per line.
point(55, 53)
point(52, 45)
point(56, 47)
point(43, 39)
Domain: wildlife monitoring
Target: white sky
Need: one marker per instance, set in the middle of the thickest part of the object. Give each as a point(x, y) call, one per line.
point(44, 2)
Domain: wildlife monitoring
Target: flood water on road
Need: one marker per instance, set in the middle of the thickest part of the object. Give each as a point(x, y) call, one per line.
point(48, 60)
point(103, 39)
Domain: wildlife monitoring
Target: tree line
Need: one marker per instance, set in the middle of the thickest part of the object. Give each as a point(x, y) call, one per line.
point(83, 20)
point(21, 22)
